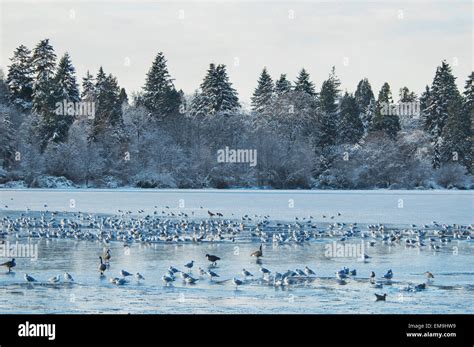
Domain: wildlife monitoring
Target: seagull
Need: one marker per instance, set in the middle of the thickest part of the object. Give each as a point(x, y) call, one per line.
point(28, 278)
point(9, 264)
point(102, 266)
point(421, 286)
point(173, 269)
point(118, 281)
point(212, 258)
point(55, 279)
point(190, 280)
point(202, 272)
point(237, 282)
point(372, 277)
point(68, 277)
point(190, 264)
point(265, 271)
point(212, 274)
point(388, 275)
point(308, 271)
point(246, 273)
point(258, 253)
point(429, 275)
point(125, 273)
point(380, 297)
point(167, 279)
point(139, 277)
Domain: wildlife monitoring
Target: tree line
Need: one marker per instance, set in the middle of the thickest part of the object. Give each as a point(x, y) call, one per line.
point(305, 137)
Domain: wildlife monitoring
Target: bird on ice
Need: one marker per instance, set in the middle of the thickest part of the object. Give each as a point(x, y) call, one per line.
point(9, 264)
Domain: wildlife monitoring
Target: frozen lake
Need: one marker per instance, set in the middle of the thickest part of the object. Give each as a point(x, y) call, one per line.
point(374, 206)
point(452, 264)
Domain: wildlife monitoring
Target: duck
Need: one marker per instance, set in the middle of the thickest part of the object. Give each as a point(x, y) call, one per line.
point(258, 253)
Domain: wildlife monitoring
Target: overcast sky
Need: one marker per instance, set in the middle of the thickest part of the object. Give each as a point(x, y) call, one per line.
point(398, 42)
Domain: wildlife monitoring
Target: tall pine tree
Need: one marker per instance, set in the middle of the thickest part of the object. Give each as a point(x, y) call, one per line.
point(20, 78)
point(365, 102)
point(303, 83)
point(282, 85)
point(351, 128)
point(44, 96)
point(159, 93)
point(217, 94)
point(443, 93)
point(385, 119)
point(328, 99)
point(263, 95)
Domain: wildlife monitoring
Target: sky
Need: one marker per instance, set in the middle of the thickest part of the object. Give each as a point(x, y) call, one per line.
point(397, 42)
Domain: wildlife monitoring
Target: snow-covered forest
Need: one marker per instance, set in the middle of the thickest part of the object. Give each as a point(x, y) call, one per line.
point(306, 136)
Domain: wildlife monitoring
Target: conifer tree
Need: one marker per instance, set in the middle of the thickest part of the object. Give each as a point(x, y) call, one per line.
point(304, 84)
point(385, 119)
point(263, 95)
point(20, 78)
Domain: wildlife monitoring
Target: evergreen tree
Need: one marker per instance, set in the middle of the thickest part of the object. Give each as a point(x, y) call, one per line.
point(88, 88)
point(108, 110)
point(304, 84)
point(65, 80)
point(44, 96)
point(4, 91)
point(123, 97)
point(456, 135)
point(406, 96)
point(159, 93)
point(217, 94)
point(443, 93)
point(263, 95)
point(385, 119)
point(425, 103)
point(20, 78)
point(7, 136)
point(351, 128)
point(328, 99)
point(365, 102)
point(282, 85)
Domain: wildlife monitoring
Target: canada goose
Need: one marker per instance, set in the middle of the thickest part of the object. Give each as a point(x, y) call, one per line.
point(9, 264)
point(380, 297)
point(102, 266)
point(258, 253)
point(212, 258)
point(107, 255)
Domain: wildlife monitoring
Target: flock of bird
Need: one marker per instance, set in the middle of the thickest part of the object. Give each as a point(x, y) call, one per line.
point(178, 227)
